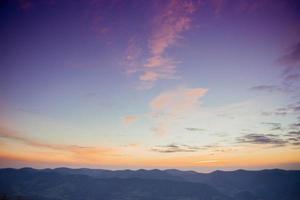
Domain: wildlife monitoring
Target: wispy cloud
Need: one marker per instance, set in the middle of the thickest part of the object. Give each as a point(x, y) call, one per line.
point(267, 88)
point(268, 139)
point(129, 119)
point(149, 76)
point(132, 56)
point(297, 133)
point(83, 152)
point(195, 129)
point(294, 136)
point(295, 126)
point(167, 27)
point(292, 56)
point(290, 109)
point(175, 148)
point(291, 63)
point(169, 105)
point(177, 101)
point(274, 126)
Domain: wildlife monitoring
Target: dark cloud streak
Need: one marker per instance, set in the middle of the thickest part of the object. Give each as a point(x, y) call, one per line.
point(175, 148)
point(194, 129)
point(274, 126)
point(268, 88)
point(269, 139)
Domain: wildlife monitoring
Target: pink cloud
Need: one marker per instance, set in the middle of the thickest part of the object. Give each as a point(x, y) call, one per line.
point(157, 61)
point(132, 56)
point(179, 100)
point(167, 28)
point(129, 119)
point(154, 70)
point(168, 106)
point(149, 76)
point(175, 18)
point(167, 33)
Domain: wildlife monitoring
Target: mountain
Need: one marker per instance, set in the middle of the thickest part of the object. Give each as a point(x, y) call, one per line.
point(267, 184)
point(100, 173)
point(50, 185)
point(172, 184)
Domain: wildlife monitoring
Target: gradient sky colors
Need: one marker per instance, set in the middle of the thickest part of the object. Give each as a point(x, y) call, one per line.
point(203, 85)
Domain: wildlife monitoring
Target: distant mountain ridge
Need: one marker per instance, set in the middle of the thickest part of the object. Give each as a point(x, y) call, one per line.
point(84, 183)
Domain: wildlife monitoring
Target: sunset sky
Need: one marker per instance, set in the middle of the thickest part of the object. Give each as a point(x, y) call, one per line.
point(201, 85)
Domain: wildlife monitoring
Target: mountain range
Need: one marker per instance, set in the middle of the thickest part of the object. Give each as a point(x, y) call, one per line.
point(170, 184)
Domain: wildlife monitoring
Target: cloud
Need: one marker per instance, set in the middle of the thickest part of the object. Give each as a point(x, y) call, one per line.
point(292, 77)
point(291, 63)
point(292, 57)
point(167, 28)
point(267, 88)
point(149, 76)
point(171, 105)
point(293, 108)
point(262, 139)
point(195, 129)
point(132, 56)
point(266, 113)
point(297, 133)
point(290, 109)
point(174, 110)
point(172, 19)
point(282, 111)
point(154, 71)
point(129, 119)
point(177, 101)
point(294, 136)
point(274, 126)
point(175, 148)
point(295, 125)
point(82, 152)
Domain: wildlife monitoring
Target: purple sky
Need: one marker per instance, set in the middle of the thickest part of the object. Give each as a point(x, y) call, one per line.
point(204, 84)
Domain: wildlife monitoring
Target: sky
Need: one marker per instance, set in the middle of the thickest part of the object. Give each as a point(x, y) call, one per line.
point(188, 84)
